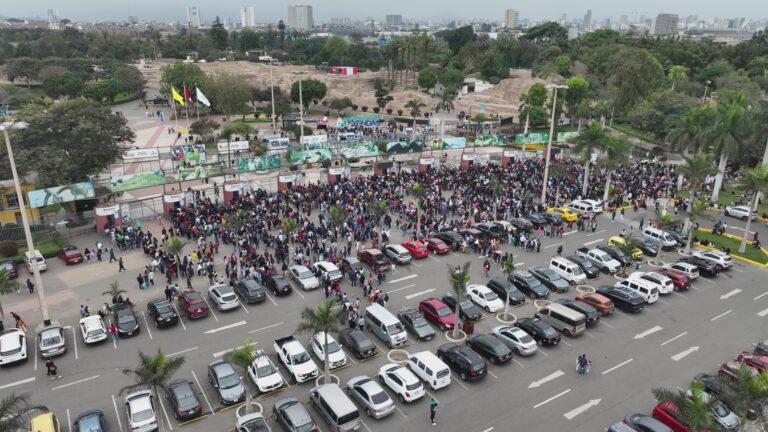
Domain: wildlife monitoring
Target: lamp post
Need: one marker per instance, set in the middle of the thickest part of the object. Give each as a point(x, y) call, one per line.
point(527, 109)
point(301, 105)
point(554, 88)
point(706, 88)
point(24, 220)
point(272, 90)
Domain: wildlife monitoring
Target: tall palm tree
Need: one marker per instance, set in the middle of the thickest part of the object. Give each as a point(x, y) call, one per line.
point(458, 277)
point(114, 290)
point(236, 223)
point(242, 356)
point(175, 246)
point(337, 215)
point(11, 409)
point(289, 225)
point(696, 210)
point(694, 409)
point(326, 318)
point(628, 249)
point(746, 390)
point(616, 153)
point(591, 139)
point(417, 191)
point(508, 268)
point(152, 371)
point(754, 181)
point(415, 105)
point(7, 286)
point(696, 168)
point(725, 136)
point(685, 135)
point(677, 74)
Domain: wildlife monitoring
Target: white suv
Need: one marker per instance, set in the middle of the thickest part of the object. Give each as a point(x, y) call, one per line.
point(718, 258)
point(13, 346)
point(657, 280)
point(401, 381)
point(264, 374)
point(739, 212)
point(645, 290)
point(93, 329)
point(689, 270)
point(336, 356)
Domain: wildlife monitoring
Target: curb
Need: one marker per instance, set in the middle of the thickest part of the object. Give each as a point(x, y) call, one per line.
point(503, 321)
point(405, 355)
point(460, 339)
point(735, 237)
point(322, 378)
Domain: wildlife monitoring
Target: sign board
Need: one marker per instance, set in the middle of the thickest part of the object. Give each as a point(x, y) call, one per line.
point(233, 146)
point(313, 140)
point(358, 151)
point(566, 136)
point(468, 157)
point(287, 178)
point(277, 142)
point(136, 181)
point(449, 143)
point(258, 163)
point(489, 140)
point(173, 198)
point(532, 138)
point(140, 154)
point(310, 156)
point(61, 194)
point(107, 211)
point(233, 187)
point(426, 161)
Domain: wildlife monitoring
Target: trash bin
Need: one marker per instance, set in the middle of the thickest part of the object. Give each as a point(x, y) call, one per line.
point(468, 327)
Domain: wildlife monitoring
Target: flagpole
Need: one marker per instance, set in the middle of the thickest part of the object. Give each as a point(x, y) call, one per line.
point(175, 117)
point(184, 92)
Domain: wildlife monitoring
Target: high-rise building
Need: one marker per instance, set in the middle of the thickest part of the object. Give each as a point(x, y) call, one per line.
point(587, 23)
point(665, 25)
point(132, 20)
point(193, 17)
point(623, 21)
point(300, 17)
point(53, 19)
point(511, 18)
point(394, 21)
point(247, 16)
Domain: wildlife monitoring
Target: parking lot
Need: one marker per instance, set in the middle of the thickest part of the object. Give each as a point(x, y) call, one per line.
point(665, 345)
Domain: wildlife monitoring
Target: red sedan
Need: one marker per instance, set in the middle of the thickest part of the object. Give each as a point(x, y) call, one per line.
point(437, 246)
point(438, 313)
point(759, 362)
point(667, 413)
point(680, 281)
point(416, 248)
point(70, 255)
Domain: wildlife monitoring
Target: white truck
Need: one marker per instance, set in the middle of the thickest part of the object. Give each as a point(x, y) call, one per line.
point(600, 258)
point(296, 359)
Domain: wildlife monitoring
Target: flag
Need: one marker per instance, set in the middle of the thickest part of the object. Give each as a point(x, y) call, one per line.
point(201, 98)
point(187, 96)
point(176, 96)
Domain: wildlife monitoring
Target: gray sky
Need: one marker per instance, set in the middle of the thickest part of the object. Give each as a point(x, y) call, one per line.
point(436, 10)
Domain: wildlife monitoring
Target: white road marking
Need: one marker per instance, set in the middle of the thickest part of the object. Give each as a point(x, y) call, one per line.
point(762, 313)
point(464, 386)
point(593, 242)
point(518, 363)
point(674, 338)
point(595, 233)
point(298, 291)
point(180, 319)
point(167, 419)
point(202, 392)
point(707, 281)
point(576, 411)
point(74, 341)
point(570, 232)
point(761, 296)
point(226, 327)
point(149, 332)
point(400, 289)
point(182, 351)
point(35, 355)
point(366, 426)
point(737, 270)
point(722, 314)
point(606, 324)
point(221, 353)
point(271, 299)
point(679, 356)
point(648, 332)
point(543, 352)
point(695, 287)
point(518, 264)
point(15, 383)
point(552, 398)
point(547, 378)
point(75, 382)
point(590, 335)
point(491, 374)
point(401, 411)
point(404, 278)
point(267, 327)
point(488, 430)
point(616, 367)
point(566, 342)
point(729, 294)
point(244, 308)
point(211, 310)
point(117, 414)
point(661, 300)
point(410, 296)
point(434, 258)
point(554, 245)
point(69, 421)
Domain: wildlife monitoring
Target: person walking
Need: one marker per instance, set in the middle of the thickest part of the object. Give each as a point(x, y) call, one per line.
point(120, 265)
point(30, 286)
point(432, 411)
point(112, 255)
point(51, 370)
point(113, 332)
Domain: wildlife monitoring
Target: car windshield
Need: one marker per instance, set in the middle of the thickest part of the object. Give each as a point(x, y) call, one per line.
point(194, 298)
point(305, 275)
point(10, 352)
point(51, 341)
point(301, 358)
point(490, 296)
point(465, 304)
point(229, 297)
point(577, 271)
point(526, 339)
point(379, 398)
point(333, 347)
point(229, 381)
point(265, 370)
point(394, 329)
point(444, 311)
point(413, 386)
point(419, 322)
point(142, 416)
point(94, 333)
point(365, 344)
point(719, 409)
point(164, 309)
point(126, 319)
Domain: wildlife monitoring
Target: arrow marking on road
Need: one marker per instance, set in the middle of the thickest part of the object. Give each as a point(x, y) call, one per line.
point(552, 398)
point(410, 296)
point(226, 327)
point(547, 378)
point(576, 411)
point(762, 313)
point(730, 294)
point(679, 356)
point(648, 332)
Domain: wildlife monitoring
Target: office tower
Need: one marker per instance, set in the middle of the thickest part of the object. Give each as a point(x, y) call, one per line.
point(587, 19)
point(53, 19)
point(248, 16)
point(665, 25)
point(300, 17)
point(193, 17)
point(511, 18)
point(623, 21)
point(394, 21)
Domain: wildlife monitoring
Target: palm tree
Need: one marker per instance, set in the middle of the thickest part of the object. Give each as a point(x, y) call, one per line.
point(415, 106)
point(418, 192)
point(746, 390)
point(591, 139)
point(676, 74)
point(508, 268)
point(236, 223)
point(379, 208)
point(326, 318)
point(693, 409)
point(175, 246)
point(289, 224)
point(337, 215)
point(7, 286)
point(627, 248)
point(725, 136)
point(458, 277)
point(697, 168)
point(685, 135)
point(153, 372)
point(696, 210)
point(754, 181)
point(616, 153)
point(114, 290)
point(242, 356)
point(11, 409)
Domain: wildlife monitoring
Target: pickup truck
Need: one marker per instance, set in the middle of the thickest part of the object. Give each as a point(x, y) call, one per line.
point(601, 259)
point(296, 359)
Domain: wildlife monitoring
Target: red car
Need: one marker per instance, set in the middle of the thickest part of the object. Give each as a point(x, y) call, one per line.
point(70, 255)
point(374, 258)
point(193, 304)
point(731, 369)
point(416, 248)
point(680, 281)
point(438, 313)
point(667, 413)
point(759, 362)
point(438, 246)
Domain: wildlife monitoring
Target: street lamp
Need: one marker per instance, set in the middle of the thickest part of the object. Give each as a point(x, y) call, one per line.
point(301, 104)
point(24, 220)
point(527, 109)
point(706, 88)
point(554, 88)
point(272, 91)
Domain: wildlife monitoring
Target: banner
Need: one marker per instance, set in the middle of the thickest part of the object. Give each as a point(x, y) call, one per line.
point(258, 163)
point(358, 151)
point(314, 141)
point(358, 121)
point(490, 140)
point(310, 156)
point(107, 211)
point(291, 178)
point(233, 146)
point(426, 161)
point(173, 198)
point(136, 181)
point(404, 147)
point(535, 138)
point(200, 171)
point(233, 187)
point(125, 212)
point(191, 155)
point(140, 154)
point(566, 136)
point(468, 157)
point(449, 143)
point(60, 194)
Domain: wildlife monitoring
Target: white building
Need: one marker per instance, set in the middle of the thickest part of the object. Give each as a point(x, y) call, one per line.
point(511, 18)
point(300, 17)
point(665, 25)
point(248, 16)
point(193, 17)
point(53, 20)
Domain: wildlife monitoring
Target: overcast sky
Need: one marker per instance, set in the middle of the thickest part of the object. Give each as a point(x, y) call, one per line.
point(436, 10)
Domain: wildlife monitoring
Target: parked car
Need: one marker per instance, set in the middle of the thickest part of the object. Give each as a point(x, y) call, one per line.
point(140, 411)
point(13, 346)
point(358, 342)
point(593, 316)
point(516, 338)
point(529, 285)
point(645, 423)
point(416, 248)
point(351, 263)
point(550, 279)
point(565, 213)
point(70, 255)
point(183, 400)
point(616, 254)
point(669, 414)
point(303, 277)
point(401, 381)
point(251, 422)
point(295, 358)
point(617, 241)
point(51, 341)
point(226, 382)
point(718, 258)
point(162, 313)
point(264, 374)
point(553, 218)
point(504, 289)
point(371, 396)
point(690, 270)
point(125, 319)
point(278, 284)
point(490, 347)
point(375, 259)
point(705, 267)
point(485, 298)
point(326, 270)
point(397, 254)
point(540, 331)
point(438, 313)
point(657, 280)
point(537, 219)
point(437, 246)
point(468, 311)
point(623, 298)
point(731, 369)
point(10, 268)
point(223, 297)
point(649, 246)
point(192, 304)
point(249, 291)
point(90, 421)
point(452, 239)
point(93, 329)
point(414, 322)
point(762, 347)
point(291, 414)
point(680, 281)
point(590, 270)
point(756, 361)
point(336, 356)
point(597, 301)
point(464, 360)
point(723, 415)
point(521, 224)
point(718, 389)
point(740, 212)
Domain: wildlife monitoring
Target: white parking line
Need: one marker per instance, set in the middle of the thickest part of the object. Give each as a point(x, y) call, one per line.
point(695, 287)
point(434, 258)
point(606, 324)
point(464, 386)
point(75, 382)
point(149, 332)
point(552, 398)
point(554, 245)
point(271, 299)
point(401, 411)
point(74, 341)
point(433, 397)
point(761, 296)
point(737, 270)
point(707, 281)
point(35, 354)
point(518, 264)
point(663, 301)
point(488, 430)
point(543, 352)
point(410, 296)
point(518, 363)
point(202, 392)
point(616, 367)
point(366, 426)
point(674, 338)
point(492, 374)
point(244, 308)
point(762, 313)
point(211, 309)
point(594, 241)
point(182, 352)
point(167, 419)
point(69, 421)
point(267, 327)
point(285, 381)
point(595, 233)
point(590, 335)
point(117, 414)
point(181, 320)
point(404, 278)
point(566, 342)
point(400, 289)
point(722, 314)
point(15, 383)
point(298, 291)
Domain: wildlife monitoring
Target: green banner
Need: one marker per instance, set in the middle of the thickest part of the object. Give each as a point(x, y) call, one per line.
point(404, 147)
point(60, 194)
point(258, 163)
point(490, 141)
point(310, 156)
point(136, 181)
point(533, 138)
point(200, 171)
point(448, 143)
point(358, 151)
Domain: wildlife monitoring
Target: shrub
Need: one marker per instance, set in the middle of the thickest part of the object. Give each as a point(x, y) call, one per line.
point(399, 112)
point(256, 115)
point(8, 249)
point(353, 160)
point(365, 108)
point(326, 163)
point(376, 109)
point(389, 110)
point(354, 106)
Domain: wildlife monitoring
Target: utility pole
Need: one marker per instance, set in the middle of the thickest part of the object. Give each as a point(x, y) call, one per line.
point(549, 142)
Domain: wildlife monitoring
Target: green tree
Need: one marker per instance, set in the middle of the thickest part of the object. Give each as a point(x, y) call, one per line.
point(242, 356)
point(12, 409)
point(536, 95)
point(508, 267)
point(753, 181)
point(152, 372)
point(452, 77)
point(576, 96)
point(456, 39)
point(102, 90)
point(747, 390)
point(334, 51)
point(639, 76)
point(415, 105)
point(658, 112)
point(563, 65)
point(381, 91)
point(677, 74)
point(616, 153)
point(58, 82)
point(685, 133)
point(203, 128)
point(427, 78)
point(22, 67)
point(696, 210)
point(7, 286)
point(694, 409)
point(114, 290)
point(725, 137)
point(417, 191)
point(179, 73)
point(337, 215)
point(312, 89)
point(175, 246)
point(458, 277)
point(591, 139)
point(131, 80)
point(327, 319)
point(340, 104)
point(219, 35)
point(229, 93)
point(628, 248)
point(696, 168)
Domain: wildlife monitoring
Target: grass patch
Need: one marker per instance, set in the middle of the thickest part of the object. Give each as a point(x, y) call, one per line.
point(720, 242)
point(124, 97)
point(729, 196)
point(49, 250)
point(629, 130)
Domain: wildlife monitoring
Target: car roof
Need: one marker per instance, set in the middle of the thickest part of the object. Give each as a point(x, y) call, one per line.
point(10, 339)
point(397, 247)
point(222, 366)
point(50, 330)
point(139, 401)
point(327, 265)
point(481, 288)
point(319, 337)
point(299, 267)
point(91, 321)
point(434, 302)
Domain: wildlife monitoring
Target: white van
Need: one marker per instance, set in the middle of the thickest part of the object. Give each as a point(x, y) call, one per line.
point(581, 207)
point(666, 241)
point(657, 280)
point(569, 271)
point(431, 369)
point(644, 289)
point(385, 326)
point(41, 265)
point(564, 319)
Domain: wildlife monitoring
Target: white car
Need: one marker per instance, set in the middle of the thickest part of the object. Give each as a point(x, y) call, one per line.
point(304, 277)
point(739, 212)
point(402, 381)
point(397, 253)
point(51, 341)
point(264, 374)
point(13, 346)
point(254, 421)
point(662, 283)
point(597, 205)
point(485, 298)
point(327, 270)
point(689, 270)
point(371, 396)
point(336, 356)
point(223, 297)
point(639, 286)
point(516, 338)
point(141, 413)
point(93, 329)
point(718, 258)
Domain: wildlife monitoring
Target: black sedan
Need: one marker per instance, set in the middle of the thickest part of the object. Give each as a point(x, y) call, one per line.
point(465, 361)
point(278, 284)
point(125, 320)
point(358, 342)
point(490, 231)
point(644, 422)
point(529, 285)
point(452, 239)
point(162, 313)
point(705, 267)
point(623, 298)
point(537, 219)
point(467, 310)
point(416, 324)
point(522, 224)
point(586, 265)
point(541, 332)
point(490, 347)
point(649, 246)
point(616, 254)
point(550, 279)
point(553, 218)
point(502, 288)
point(250, 291)
point(593, 316)
point(90, 421)
point(183, 400)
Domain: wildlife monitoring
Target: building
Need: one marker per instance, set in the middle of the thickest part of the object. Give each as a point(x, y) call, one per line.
point(394, 21)
point(193, 17)
point(587, 23)
point(9, 203)
point(511, 18)
point(300, 17)
point(664, 25)
point(53, 20)
point(248, 16)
